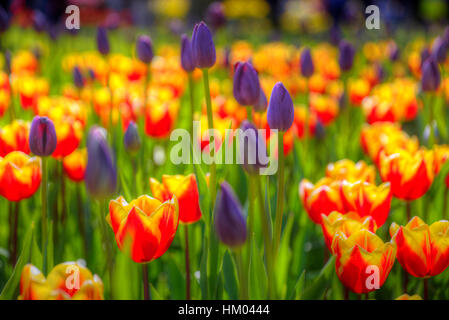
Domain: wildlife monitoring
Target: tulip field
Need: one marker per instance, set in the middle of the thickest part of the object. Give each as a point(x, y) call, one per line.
point(338, 192)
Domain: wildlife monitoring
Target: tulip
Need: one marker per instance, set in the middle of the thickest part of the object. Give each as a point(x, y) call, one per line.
point(203, 47)
point(347, 223)
point(230, 223)
point(101, 170)
point(367, 199)
point(20, 176)
point(307, 67)
point(102, 41)
point(69, 133)
point(261, 104)
point(410, 174)
point(186, 191)
point(355, 257)
point(321, 198)
point(4, 20)
point(346, 57)
point(146, 224)
point(75, 164)
point(405, 296)
point(431, 78)
point(67, 281)
point(14, 137)
point(393, 52)
point(215, 15)
point(246, 87)
point(439, 50)
point(40, 22)
point(253, 152)
point(280, 113)
point(131, 139)
point(424, 55)
point(78, 77)
point(144, 48)
point(187, 62)
point(423, 250)
point(348, 170)
point(42, 138)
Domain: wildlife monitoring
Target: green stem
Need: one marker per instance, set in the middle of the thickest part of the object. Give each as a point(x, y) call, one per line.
point(105, 240)
point(146, 286)
point(44, 214)
point(280, 197)
point(431, 119)
point(186, 236)
point(426, 289)
point(249, 113)
point(243, 279)
point(15, 233)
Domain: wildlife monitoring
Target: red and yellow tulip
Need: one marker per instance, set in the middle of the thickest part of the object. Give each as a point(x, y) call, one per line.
point(14, 137)
point(75, 164)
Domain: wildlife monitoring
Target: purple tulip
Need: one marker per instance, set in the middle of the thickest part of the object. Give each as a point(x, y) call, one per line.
point(252, 149)
point(261, 104)
point(425, 53)
point(131, 139)
point(439, 50)
point(335, 35)
point(307, 67)
point(431, 78)
point(215, 15)
point(246, 87)
point(4, 20)
point(8, 58)
point(229, 221)
point(346, 57)
point(102, 40)
point(78, 77)
point(144, 49)
point(39, 21)
point(393, 51)
point(203, 47)
point(42, 139)
point(280, 112)
point(101, 170)
point(187, 62)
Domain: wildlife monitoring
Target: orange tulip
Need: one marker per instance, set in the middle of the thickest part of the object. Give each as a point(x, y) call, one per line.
point(186, 191)
point(20, 176)
point(325, 107)
point(346, 169)
point(14, 137)
point(67, 281)
point(367, 199)
point(321, 198)
point(147, 223)
point(423, 250)
point(359, 257)
point(348, 223)
point(358, 90)
point(75, 164)
point(159, 119)
point(410, 174)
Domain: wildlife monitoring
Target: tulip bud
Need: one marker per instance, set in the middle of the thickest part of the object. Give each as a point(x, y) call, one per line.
point(203, 47)
point(187, 62)
point(261, 104)
point(346, 57)
point(280, 112)
point(246, 84)
point(42, 139)
point(78, 77)
point(131, 139)
point(4, 20)
point(102, 40)
point(8, 61)
point(425, 53)
point(439, 50)
point(39, 21)
point(307, 67)
point(144, 49)
point(252, 149)
point(335, 35)
point(101, 170)
point(394, 52)
point(215, 15)
point(230, 224)
point(430, 79)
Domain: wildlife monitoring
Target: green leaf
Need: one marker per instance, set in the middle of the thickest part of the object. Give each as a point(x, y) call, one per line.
point(50, 247)
point(283, 258)
point(298, 290)
point(258, 276)
point(203, 191)
point(13, 282)
point(154, 294)
point(317, 289)
point(176, 281)
point(36, 256)
point(124, 185)
point(126, 277)
point(230, 277)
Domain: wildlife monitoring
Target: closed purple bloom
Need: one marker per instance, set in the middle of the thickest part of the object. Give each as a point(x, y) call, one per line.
point(144, 49)
point(335, 35)
point(346, 57)
point(439, 50)
point(425, 53)
point(4, 20)
point(203, 48)
point(307, 67)
point(8, 61)
point(431, 78)
point(42, 139)
point(229, 221)
point(187, 62)
point(101, 170)
point(215, 15)
point(261, 104)
point(131, 139)
point(102, 40)
point(39, 21)
point(78, 77)
point(393, 51)
point(280, 112)
point(246, 87)
point(252, 149)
